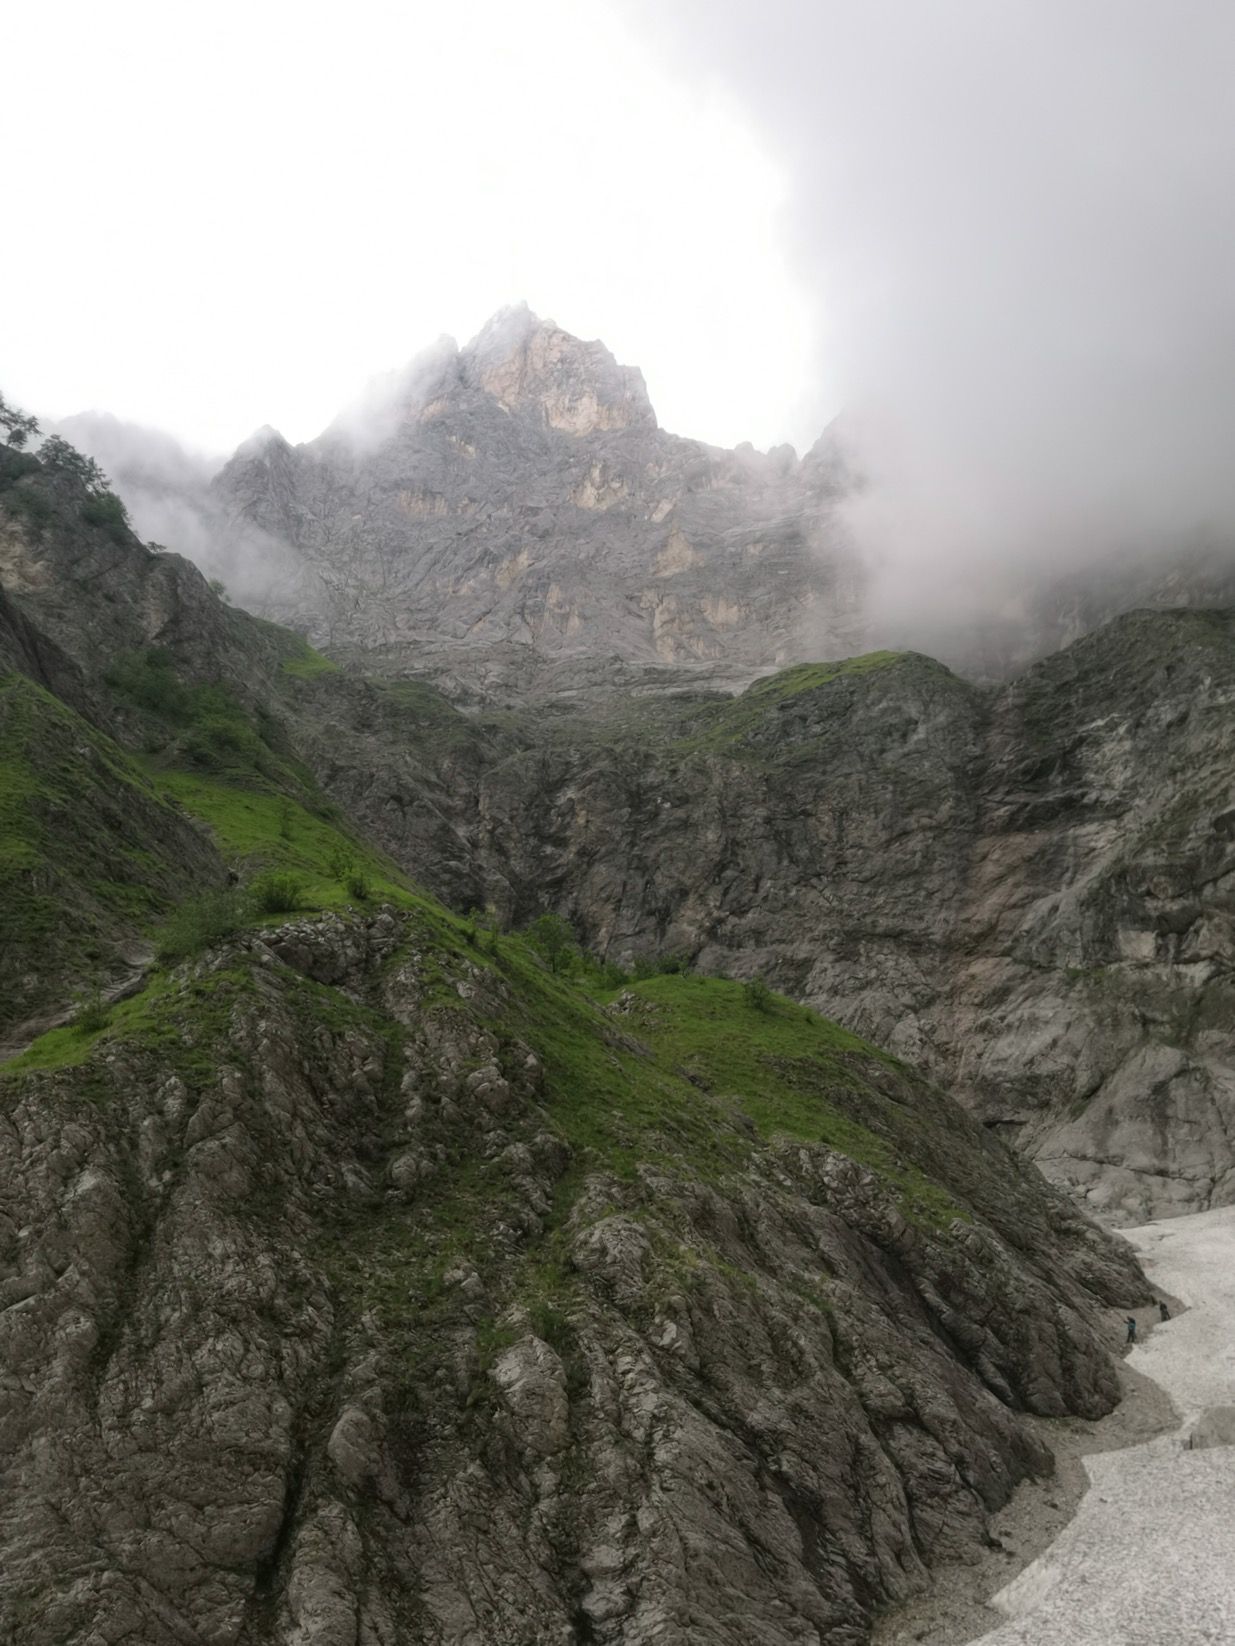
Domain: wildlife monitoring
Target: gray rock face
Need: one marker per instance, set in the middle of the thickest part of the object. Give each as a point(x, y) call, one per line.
point(1216, 1427)
point(520, 494)
point(1028, 889)
point(262, 1386)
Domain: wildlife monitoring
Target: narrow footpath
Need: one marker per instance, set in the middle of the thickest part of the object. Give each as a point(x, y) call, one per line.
point(1149, 1559)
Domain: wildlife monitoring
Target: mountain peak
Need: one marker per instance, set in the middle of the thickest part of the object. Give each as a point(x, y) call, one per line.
point(530, 364)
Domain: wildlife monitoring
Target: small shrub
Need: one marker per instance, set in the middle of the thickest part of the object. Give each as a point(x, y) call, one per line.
point(554, 941)
point(107, 512)
point(669, 963)
point(278, 892)
point(93, 1012)
point(757, 994)
point(551, 1325)
point(197, 924)
point(149, 679)
point(359, 885)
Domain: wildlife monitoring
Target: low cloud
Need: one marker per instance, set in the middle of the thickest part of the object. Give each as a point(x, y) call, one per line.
point(1016, 221)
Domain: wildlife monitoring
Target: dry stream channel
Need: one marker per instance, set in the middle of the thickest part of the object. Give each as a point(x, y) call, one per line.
point(1147, 1557)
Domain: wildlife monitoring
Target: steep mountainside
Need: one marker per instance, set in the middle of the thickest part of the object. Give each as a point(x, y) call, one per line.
point(508, 519)
point(1028, 889)
point(367, 1274)
point(518, 497)
point(1032, 890)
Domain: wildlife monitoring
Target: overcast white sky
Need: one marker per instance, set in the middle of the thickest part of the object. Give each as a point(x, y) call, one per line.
point(1000, 233)
point(226, 215)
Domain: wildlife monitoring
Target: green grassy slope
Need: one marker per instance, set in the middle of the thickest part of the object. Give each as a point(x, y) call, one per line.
point(92, 852)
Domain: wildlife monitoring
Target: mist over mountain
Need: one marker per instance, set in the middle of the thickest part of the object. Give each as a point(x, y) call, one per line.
point(1016, 219)
point(489, 509)
point(617, 933)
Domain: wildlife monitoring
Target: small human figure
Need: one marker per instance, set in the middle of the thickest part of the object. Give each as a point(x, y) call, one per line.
point(1130, 1323)
point(1164, 1311)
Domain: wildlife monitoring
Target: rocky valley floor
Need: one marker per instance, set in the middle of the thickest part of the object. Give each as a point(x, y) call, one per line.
point(1147, 1556)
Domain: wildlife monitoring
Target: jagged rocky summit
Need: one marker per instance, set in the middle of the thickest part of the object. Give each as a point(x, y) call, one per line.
point(518, 493)
point(509, 503)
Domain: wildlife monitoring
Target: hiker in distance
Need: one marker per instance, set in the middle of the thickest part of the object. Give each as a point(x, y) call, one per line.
point(1163, 1311)
point(1130, 1323)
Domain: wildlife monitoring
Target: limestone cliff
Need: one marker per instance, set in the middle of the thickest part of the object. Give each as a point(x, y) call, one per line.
point(1029, 889)
point(518, 495)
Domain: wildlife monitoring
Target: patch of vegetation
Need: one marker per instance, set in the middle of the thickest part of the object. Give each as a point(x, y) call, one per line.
point(199, 922)
point(108, 513)
point(260, 830)
point(183, 1020)
point(88, 847)
point(724, 727)
point(359, 885)
point(789, 1072)
point(670, 963)
point(757, 995)
point(93, 1012)
point(204, 727)
point(306, 664)
point(553, 939)
point(278, 892)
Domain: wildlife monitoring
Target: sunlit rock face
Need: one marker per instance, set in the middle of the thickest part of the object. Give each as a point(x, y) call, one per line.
point(518, 492)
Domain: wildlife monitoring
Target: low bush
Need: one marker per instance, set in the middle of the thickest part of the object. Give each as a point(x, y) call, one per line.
point(277, 892)
point(93, 1012)
point(359, 885)
point(757, 994)
point(667, 964)
point(196, 924)
point(107, 512)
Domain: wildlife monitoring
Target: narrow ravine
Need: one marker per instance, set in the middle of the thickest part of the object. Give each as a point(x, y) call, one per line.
point(1149, 1559)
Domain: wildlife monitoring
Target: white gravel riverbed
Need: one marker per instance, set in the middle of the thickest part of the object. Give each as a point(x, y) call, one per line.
point(1149, 1559)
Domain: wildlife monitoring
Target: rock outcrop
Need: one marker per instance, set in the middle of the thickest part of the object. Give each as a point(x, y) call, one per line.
point(1027, 889)
point(342, 1304)
point(518, 496)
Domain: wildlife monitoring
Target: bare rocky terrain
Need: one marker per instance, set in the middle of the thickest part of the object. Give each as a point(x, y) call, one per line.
point(380, 1265)
point(372, 1274)
point(1029, 890)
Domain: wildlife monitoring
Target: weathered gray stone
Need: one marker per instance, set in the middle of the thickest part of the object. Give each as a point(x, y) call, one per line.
point(1216, 1427)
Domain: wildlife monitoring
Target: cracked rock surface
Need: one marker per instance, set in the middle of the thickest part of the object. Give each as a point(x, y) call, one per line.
point(329, 1316)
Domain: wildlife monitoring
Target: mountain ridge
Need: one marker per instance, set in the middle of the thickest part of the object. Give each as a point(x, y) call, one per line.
point(371, 1269)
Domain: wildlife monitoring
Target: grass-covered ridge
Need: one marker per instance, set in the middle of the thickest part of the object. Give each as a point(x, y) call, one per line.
point(102, 850)
point(679, 1075)
point(731, 726)
point(807, 677)
point(260, 829)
